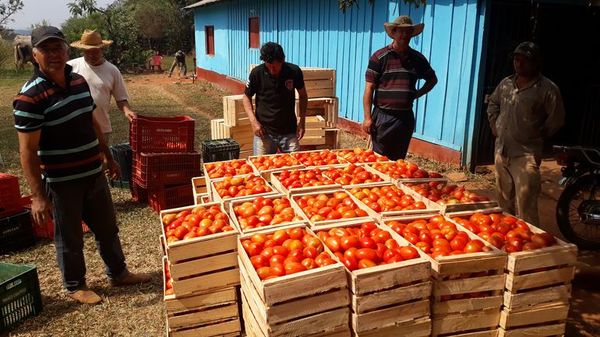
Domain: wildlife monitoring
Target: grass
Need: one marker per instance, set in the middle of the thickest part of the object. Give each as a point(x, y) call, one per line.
point(132, 311)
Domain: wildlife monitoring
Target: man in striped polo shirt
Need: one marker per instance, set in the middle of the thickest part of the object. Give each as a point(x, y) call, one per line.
point(62, 153)
point(391, 78)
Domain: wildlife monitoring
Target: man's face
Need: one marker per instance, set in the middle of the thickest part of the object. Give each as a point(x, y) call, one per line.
point(524, 66)
point(51, 56)
point(402, 35)
point(274, 67)
point(94, 56)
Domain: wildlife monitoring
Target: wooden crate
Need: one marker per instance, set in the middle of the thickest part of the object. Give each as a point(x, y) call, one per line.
point(217, 198)
point(202, 263)
point(384, 178)
point(300, 190)
point(390, 294)
point(217, 128)
point(325, 107)
point(432, 208)
point(243, 134)
point(414, 328)
point(234, 113)
point(450, 208)
point(208, 179)
point(544, 330)
point(267, 173)
point(464, 274)
point(300, 221)
point(319, 82)
point(300, 304)
point(337, 159)
point(320, 224)
point(224, 328)
point(199, 189)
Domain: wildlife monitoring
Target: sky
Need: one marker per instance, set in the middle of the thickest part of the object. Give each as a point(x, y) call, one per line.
point(54, 11)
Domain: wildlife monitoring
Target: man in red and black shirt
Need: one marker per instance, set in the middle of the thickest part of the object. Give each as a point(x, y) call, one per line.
point(62, 152)
point(391, 78)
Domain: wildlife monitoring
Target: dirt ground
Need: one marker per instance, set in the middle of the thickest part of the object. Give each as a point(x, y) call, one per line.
point(138, 311)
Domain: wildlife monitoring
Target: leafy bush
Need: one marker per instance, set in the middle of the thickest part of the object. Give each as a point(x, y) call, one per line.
point(6, 53)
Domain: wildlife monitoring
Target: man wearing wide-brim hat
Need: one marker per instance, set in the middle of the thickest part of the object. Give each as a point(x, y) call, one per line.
point(391, 77)
point(105, 79)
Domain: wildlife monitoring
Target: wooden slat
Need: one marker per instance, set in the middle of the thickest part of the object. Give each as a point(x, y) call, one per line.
point(557, 329)
point(391, 315)
point(229, 328)
point(547, 257)
point(203, 265)
point(361, 304)
point(206, 282)
point(413, 328)
point(468, 304)
point(543, 278)
point(467, 321)
point(175, 304)
point(387, 276)
point(560, 293)
point(538, 314)
point(210, 315)
point(468, 285)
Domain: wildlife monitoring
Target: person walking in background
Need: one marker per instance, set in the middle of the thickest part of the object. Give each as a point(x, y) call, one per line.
point(62, 150)
point(104, 79)
point(390, 90)
point(156, 61)
point(179, 61)
point(525, 109)
point(275, 83)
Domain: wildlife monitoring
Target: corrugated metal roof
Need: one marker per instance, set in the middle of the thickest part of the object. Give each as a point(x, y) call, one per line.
point(201, 3)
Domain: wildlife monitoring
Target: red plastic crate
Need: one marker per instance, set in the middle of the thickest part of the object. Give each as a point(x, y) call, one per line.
point(10, 195)
point(161, 169)
point(170, 197)
point(162, 134)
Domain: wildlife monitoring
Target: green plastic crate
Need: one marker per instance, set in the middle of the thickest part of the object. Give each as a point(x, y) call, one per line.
point(19, 294)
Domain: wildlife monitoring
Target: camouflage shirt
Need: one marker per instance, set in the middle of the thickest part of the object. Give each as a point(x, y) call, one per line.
point(523, 118)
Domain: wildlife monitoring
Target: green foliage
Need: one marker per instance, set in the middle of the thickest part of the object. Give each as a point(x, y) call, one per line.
point(6, 53)
point(346, 4)
point(44, 22)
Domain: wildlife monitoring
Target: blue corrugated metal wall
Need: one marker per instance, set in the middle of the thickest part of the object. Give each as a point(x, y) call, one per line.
point(314, 33)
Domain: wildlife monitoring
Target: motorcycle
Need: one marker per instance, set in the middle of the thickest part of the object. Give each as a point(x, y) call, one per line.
point(578, 207)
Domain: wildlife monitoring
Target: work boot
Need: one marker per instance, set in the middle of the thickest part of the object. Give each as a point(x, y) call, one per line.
point(128, 278)
point(85, 296)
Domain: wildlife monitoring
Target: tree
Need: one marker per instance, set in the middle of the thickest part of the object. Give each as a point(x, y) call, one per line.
point(346, 4)
point(8, 8)
point(44, 22)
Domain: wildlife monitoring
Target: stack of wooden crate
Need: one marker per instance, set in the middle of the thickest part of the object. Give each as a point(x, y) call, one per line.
point(204, 275)
point(321, 112)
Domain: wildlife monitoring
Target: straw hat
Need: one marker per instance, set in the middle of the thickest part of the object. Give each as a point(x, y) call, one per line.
point(404, 21)
point(91, 39)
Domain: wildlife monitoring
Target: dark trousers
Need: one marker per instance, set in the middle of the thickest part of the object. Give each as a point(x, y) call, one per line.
point(391, 132)
point(86, 199)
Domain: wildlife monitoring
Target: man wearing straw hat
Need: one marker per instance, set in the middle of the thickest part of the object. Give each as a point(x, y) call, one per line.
point(390, 90)
point(104, 78)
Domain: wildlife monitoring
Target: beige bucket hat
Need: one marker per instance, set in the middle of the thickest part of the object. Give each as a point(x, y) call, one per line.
point(403, 21)
point(91, 39)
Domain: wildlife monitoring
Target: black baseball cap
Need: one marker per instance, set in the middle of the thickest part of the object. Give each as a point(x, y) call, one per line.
point(44, 33)
point(528, 49)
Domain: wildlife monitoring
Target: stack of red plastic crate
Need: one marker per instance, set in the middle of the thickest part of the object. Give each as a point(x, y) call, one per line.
point(164, 161)
point(16, 231)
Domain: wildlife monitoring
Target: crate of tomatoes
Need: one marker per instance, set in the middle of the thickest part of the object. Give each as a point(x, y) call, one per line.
point(401, 170)
point(318, 158)
point(468, 273)
point(264, 212)
point(268, 164)
point(201, 247)
point(298, 181)
point(389, 279)
point(291, 284)
point(539, 270)
point(329, 207)
point(359, 155)
point(237, 188)
point(353, 175)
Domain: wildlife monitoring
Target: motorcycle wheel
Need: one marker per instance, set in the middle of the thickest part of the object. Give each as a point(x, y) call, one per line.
point(585, 236)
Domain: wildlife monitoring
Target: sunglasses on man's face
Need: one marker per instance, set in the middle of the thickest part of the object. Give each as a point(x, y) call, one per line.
point(402, 30)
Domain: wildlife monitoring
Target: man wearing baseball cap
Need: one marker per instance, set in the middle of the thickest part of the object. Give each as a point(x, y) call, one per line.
point(62, 152)
point(390, 90)
point(524, 110)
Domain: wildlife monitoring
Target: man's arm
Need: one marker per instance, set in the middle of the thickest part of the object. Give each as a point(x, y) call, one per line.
point(112, 167)
point(30, 161)
point(367, 104)
point(429, 84)
point(256, 127)
point(126, 109)
point(555, 109)
point(303, 96)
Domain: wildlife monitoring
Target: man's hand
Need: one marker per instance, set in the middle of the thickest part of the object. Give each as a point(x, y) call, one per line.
point(113, 170)
point(367, 125)
point(258, 129)
point(41, 209)
point(300, 131)
point(130, 115)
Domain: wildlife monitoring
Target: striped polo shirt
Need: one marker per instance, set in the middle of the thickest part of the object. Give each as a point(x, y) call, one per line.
point(395, 76)
point(68, 147)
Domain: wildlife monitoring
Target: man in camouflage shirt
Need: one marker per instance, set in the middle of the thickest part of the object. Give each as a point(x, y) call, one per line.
point(524, 110)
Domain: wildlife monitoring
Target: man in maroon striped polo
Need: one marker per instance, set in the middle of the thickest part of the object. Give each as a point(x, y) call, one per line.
point(391, 78)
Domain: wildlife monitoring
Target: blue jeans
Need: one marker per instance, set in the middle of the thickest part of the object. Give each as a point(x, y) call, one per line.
point(86, 199)
point(269, 144)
